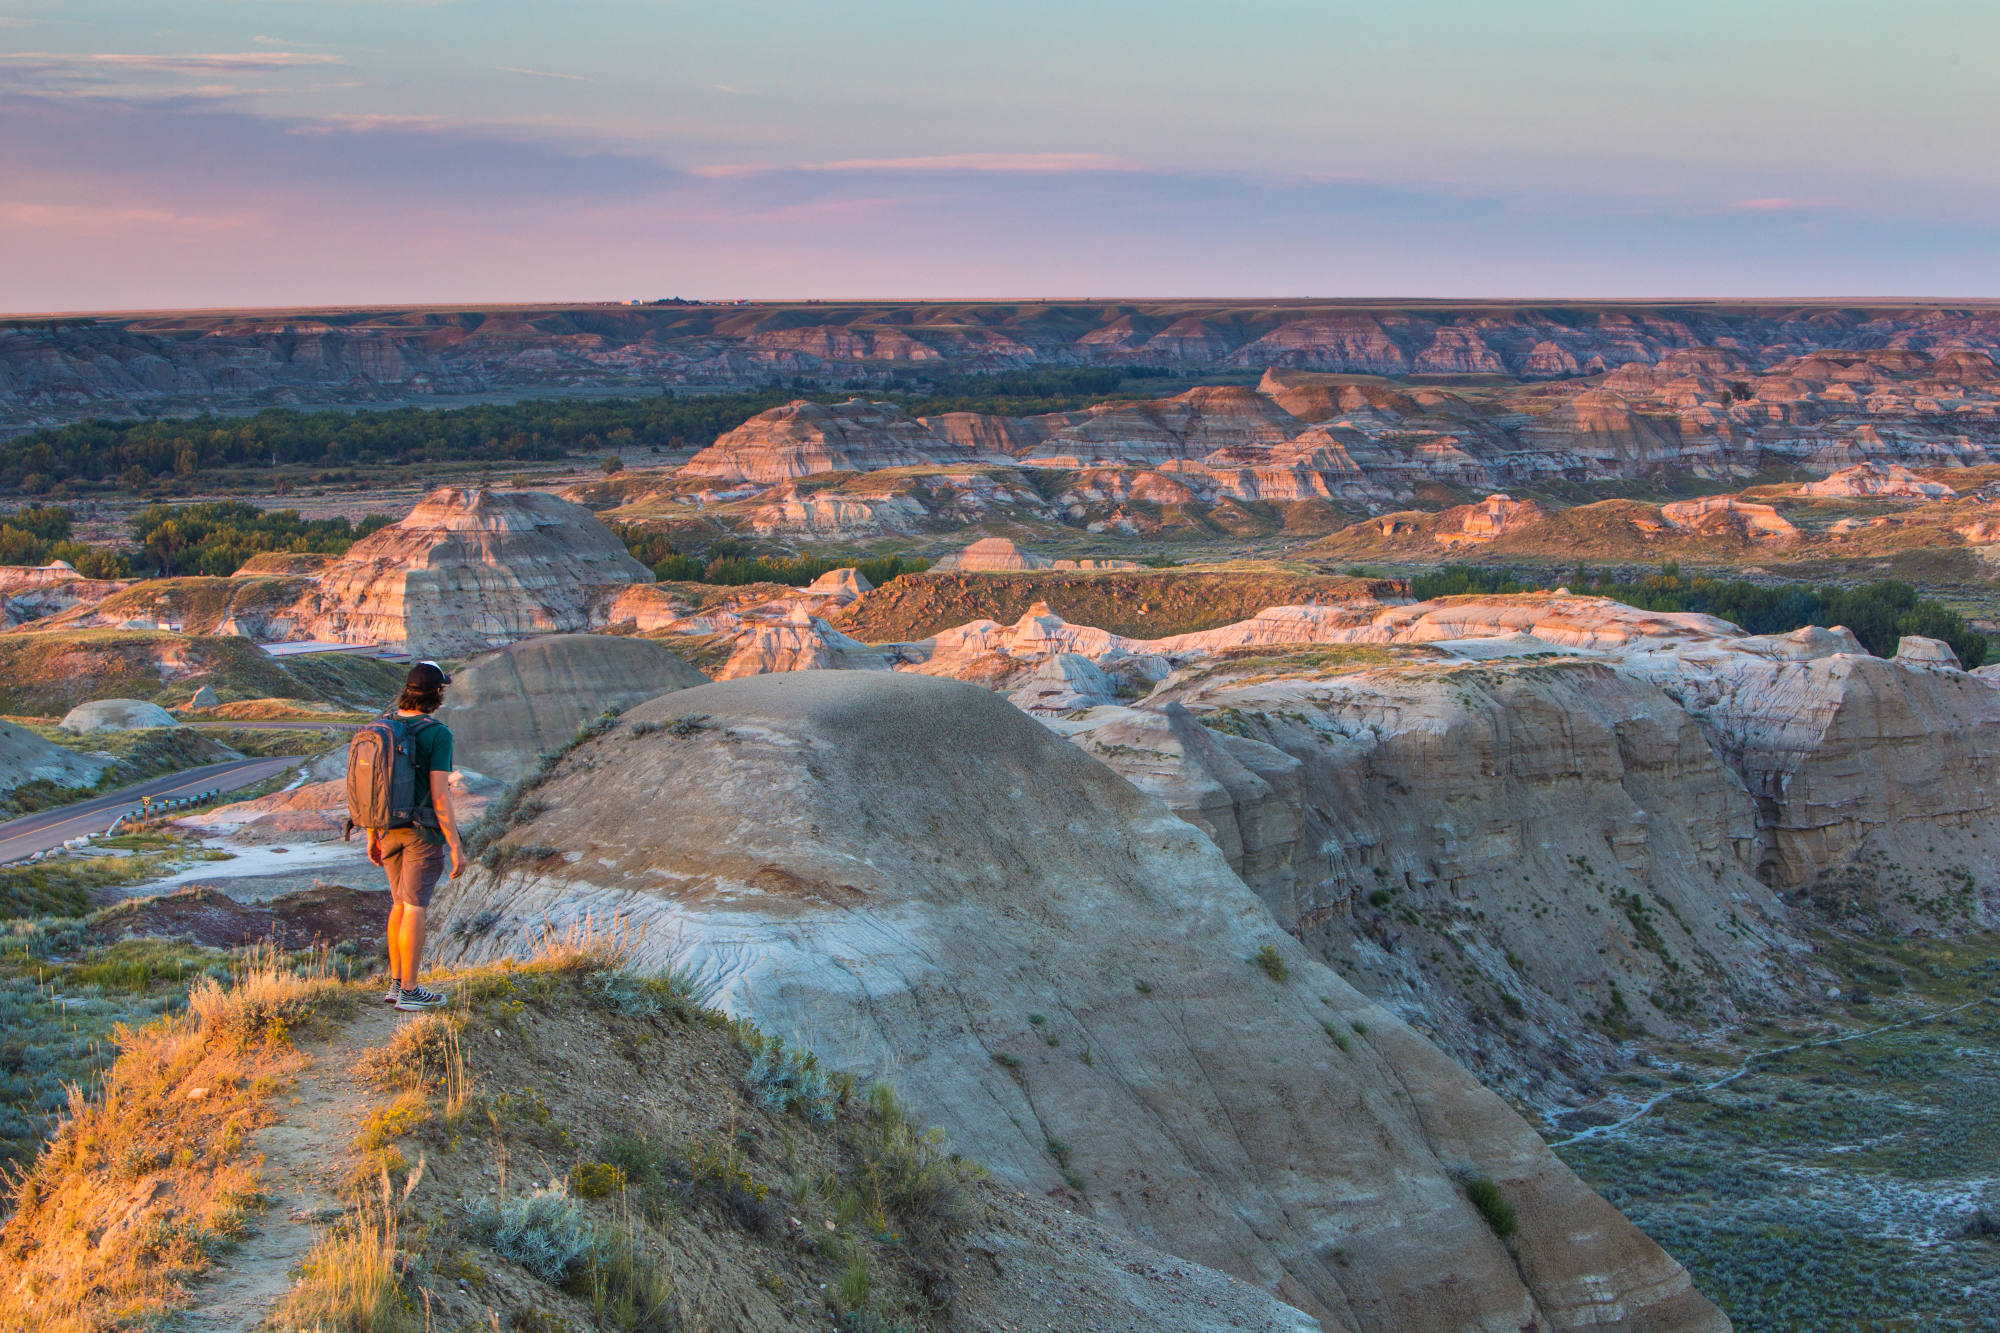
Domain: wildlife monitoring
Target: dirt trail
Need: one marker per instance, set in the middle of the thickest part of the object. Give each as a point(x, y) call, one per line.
point(307, 1155)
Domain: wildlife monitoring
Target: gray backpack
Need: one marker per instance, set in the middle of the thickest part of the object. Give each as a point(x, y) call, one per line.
point(382, 791)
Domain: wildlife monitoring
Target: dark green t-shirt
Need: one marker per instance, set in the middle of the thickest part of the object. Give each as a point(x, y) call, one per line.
point(430, 752)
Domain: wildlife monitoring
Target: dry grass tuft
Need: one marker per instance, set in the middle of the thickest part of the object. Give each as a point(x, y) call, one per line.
point(589, 944)
point(425, 1055)
point(267, 1000)
point(143, 1186)
point(348, 1280)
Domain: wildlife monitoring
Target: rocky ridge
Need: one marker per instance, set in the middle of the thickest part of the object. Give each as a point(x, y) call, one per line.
point(914, 830)
point(1374, 771)
point(1332, 443)
point(60, 369)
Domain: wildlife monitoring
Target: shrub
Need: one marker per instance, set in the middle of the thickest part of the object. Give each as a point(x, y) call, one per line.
point(596, 1180)
point(674, 993)
point(1272, 964)
point(913, 1177)
point(542, 1232)
point(784, 1077)
point(267, 999)
point(1485, 1197)
point(423, 1054)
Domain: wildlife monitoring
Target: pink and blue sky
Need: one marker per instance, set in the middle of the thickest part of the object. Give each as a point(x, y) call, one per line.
point(176, 153)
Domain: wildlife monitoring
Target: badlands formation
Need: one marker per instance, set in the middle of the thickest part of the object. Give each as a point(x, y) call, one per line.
point(916, 877)
point(62, 370)
point(465, 571)
point(1306, 452)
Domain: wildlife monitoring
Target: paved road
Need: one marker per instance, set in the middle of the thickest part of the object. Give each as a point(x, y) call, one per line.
point(272, 726)
point(51, 828)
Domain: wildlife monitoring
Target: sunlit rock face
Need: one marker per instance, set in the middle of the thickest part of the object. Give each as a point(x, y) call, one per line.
point(469, 570)
point(803, 438)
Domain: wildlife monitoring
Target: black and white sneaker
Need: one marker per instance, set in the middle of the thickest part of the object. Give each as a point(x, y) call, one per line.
point(393, 994)
point(414, 998)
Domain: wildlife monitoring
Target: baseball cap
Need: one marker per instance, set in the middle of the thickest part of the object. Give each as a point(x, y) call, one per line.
point(427, 676)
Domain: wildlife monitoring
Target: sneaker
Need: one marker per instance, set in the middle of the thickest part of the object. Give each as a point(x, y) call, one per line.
point(416, 997)
point(393, 994)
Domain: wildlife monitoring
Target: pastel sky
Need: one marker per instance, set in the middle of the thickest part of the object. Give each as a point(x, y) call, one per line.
point(199, 153)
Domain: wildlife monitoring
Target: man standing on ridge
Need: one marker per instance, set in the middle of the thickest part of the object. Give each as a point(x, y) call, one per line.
point(399, 789)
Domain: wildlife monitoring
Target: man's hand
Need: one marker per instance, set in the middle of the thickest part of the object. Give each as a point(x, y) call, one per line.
point(457, 857)
point(375, 846)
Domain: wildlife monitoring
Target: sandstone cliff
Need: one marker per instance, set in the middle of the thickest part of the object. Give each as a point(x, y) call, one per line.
point(919, 878)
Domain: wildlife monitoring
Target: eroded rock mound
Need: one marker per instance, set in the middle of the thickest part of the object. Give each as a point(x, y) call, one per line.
point(926, 882)
point(511, 706)
point(989, 555)
point(469, 570)
point(1875, 779)
point(803, 438)
point(1726, 515)
point(1880, 481)
point(26, 757)
point(117, 715)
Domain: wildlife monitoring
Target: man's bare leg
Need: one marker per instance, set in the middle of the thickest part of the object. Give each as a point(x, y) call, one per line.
point(396, 944)
point(410, 935)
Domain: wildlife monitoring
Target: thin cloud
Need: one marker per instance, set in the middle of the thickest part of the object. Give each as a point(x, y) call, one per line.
point(364, 122)
point(542, 74)
point(730, 88)
point(1777, 204)
point(1038, 164)
point(100, 218)
point(199, 63)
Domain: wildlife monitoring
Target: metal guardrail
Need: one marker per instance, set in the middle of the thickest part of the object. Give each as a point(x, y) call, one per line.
point(166, 805)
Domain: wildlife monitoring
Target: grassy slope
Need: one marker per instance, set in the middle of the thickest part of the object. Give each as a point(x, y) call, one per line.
point(695, 1197)
point(1146, 604)
point(1839, 1185)
point(46, 673)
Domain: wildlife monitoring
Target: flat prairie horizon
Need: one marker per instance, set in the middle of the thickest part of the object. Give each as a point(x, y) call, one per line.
point(1199, 302)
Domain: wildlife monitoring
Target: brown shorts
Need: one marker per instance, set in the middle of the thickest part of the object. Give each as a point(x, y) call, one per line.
point(413, 865)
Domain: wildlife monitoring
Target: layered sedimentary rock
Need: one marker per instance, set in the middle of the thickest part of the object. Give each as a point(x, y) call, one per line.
point(511, 706)
point(1874, 779)
point(990, 554)
point(469, 570)
point(842, 585)
point(801, 642)
point(1526, 858)
point(1720, 514)
point(30, 592)
point(912, 872)
point(803, 438)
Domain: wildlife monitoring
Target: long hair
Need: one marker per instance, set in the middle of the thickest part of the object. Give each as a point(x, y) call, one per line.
point(420, 698)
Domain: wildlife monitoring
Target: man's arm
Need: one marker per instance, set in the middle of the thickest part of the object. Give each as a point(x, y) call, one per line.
point(447, 819)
